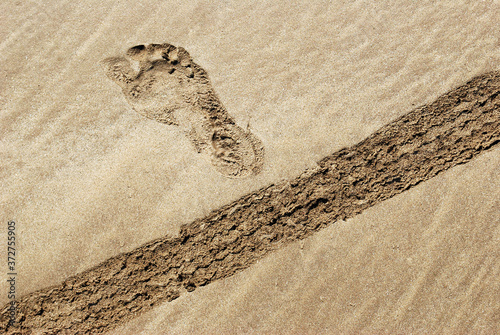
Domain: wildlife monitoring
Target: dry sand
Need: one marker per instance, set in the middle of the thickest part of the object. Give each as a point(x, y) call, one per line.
point(87, 178)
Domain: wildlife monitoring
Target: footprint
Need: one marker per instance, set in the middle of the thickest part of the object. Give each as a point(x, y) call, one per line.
point(161, 82)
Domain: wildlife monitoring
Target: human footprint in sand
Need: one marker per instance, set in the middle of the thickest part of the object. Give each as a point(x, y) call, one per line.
point(162, 83)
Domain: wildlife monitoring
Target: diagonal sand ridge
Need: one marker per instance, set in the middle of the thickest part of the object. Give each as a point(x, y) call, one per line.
point(452, 130)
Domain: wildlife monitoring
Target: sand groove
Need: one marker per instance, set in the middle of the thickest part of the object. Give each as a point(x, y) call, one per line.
point(429, 140)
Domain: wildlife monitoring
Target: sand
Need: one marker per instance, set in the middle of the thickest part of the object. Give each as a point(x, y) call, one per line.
point(87, 178)
point(409, 265)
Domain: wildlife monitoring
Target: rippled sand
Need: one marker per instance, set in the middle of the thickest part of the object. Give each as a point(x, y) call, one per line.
point(87, 178)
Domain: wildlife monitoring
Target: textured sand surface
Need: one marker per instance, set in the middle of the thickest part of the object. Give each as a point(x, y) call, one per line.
point(410, 265)
point(455, 128)
point(86, 178)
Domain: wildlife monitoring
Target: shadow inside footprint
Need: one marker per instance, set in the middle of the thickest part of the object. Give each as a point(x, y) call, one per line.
point(161, 82)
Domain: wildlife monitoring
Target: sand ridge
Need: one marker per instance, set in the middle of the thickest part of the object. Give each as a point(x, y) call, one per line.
point(162, 83)
point(452, 130)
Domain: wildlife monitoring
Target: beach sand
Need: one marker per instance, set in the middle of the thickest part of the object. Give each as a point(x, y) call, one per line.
point(87, 178)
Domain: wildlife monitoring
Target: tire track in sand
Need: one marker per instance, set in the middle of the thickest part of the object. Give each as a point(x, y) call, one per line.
point(452, 130)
